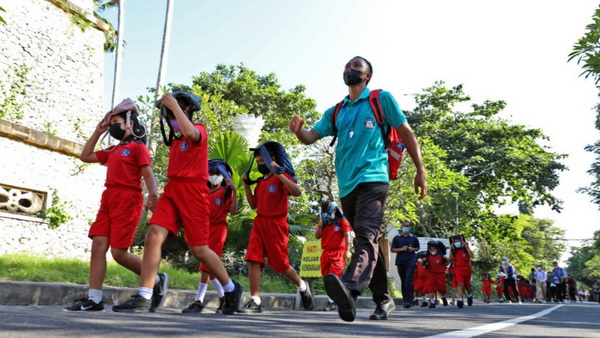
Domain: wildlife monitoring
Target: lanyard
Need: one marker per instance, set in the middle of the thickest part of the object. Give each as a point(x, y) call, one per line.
point(351, 124)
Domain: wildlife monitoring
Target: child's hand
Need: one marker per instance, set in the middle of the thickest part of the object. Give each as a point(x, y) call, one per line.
point(230, 183)
point(244, 179)
point(101, 127)
point(274, 165)
point(348, 255)
point(169, 101)
point(151, 202)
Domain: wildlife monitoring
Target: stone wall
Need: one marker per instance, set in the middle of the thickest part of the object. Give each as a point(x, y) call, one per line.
point(61, 103)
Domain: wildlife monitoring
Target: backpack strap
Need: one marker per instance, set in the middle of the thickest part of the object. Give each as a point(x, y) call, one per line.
point(376, 107)
point(336, 110)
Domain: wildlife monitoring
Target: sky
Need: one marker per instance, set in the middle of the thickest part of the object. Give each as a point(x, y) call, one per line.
point(514, 51)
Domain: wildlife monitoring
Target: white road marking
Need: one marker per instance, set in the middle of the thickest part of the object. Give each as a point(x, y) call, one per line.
point(479, 330)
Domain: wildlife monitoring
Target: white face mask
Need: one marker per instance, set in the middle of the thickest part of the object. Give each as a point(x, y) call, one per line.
point(433, 252)
point(215, 179)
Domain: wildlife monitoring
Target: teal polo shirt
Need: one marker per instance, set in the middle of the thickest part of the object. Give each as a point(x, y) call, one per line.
point(360, 156)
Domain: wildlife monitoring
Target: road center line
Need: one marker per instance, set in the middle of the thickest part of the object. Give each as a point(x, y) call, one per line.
point(479, 330)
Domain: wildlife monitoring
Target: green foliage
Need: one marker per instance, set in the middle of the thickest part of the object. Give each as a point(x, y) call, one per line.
point(110, 42)
point(57, 214)
point(587, 49)
point(2, 19)
point(13, 92)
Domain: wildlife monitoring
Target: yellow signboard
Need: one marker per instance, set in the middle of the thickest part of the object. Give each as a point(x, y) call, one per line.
point(311, 260)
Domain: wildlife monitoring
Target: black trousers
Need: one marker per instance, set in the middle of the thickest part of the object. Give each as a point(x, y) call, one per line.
point(512, 283)
point(406, 271)
point(363, 208)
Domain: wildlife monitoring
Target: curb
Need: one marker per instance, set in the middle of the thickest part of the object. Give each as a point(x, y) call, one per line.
point(40, 293)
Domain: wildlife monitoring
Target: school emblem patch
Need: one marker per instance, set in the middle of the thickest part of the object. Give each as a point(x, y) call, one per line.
point(271, 188)
point(184, 146)
point(125, 152)
point(336, 228)
point(369, 123)
point(219, 201)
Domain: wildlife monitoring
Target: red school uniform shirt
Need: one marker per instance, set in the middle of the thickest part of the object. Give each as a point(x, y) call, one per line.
point(189, 160)
point(486, 286)
point(461, 258)
point(436, 264)
point(124, 164)
point(333, 235)
point(271, 197)
point(219, 207)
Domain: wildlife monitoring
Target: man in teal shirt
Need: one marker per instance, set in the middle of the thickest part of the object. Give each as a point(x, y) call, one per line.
point(363, 178)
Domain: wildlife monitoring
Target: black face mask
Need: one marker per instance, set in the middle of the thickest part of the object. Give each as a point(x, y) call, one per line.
point(352, 77)
point(263, 169)
point(116, 132)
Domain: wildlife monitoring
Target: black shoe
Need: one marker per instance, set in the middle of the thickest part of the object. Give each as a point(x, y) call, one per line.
point(424, 304)
point(195, 307)
point(432, 305)
point(330, 307)
point(383, 310)
point(251, 307)
point(160, 291)
point(307, 299)
point(221, 304)
point(460, 304)
point(444, 301)
point(339, 293)
point(232, 299)
point(407, 305)
point(469, 299)
point(85, 304)
point(137, 303)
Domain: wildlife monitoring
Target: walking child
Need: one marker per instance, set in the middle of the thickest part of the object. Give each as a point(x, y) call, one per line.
point(420, 278)
point(184, 204)
point(122, 201)
point(486, 287)
point(336, 242)
point(223, 201)
point(461, 257)
point(270, 233)
point(436, 272)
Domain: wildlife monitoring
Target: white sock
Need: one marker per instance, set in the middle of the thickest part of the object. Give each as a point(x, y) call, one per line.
point(95, 295)
point(460, 299)
point(218, 287)
point(256, 299)
point(302, 286)
point(201, 291)
point(146, 292)
point(432, 301)
point(229, 287)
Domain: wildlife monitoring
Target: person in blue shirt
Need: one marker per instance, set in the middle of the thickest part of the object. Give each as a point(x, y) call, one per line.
point(559, 278)
point(405, 245)
point(510, 280)
point(361, 164)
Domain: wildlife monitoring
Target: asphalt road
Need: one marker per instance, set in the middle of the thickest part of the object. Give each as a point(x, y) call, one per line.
point(569, 320)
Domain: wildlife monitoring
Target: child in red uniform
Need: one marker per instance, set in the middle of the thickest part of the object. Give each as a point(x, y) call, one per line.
point(420, 278)
point(461, 256)
point(184, 203)
point(500, 289)
point(486, 287)
point(270, 234)
point(223, 201)
point(334, 231)
point(436, 273)
point(122, 201)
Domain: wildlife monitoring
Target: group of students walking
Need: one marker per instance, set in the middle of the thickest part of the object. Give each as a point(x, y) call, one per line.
point(200, 194)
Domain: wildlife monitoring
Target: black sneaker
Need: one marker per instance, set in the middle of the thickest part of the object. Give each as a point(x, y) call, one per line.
point(444, 301)
point(195, 307)
point(85, 304)
point(307, 299)
point(460, 304)
point(339, 293)
point(330, 307)
point(469, 299)
point(160, 291)
point(137, 303)
point(382, 311)
point(232, 299)
point(424, 304)
point(251, 307)
point(432, 305)
point(221, 303)
point(407, 305)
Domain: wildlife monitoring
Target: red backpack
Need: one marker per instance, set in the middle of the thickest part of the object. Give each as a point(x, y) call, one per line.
point(393, 143)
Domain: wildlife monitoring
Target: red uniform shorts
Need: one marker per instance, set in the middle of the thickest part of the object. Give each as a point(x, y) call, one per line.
point(333, 261)
point(269, 238)
point(435, 282)
point(118, 216)
point(462, 275)
point(216, 241)
point(419, 285)
point(184, 203)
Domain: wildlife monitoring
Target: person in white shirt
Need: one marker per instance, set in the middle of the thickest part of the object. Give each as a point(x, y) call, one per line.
point(540, 284)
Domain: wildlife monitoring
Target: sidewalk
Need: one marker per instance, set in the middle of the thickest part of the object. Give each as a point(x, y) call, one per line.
point(37, 293)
